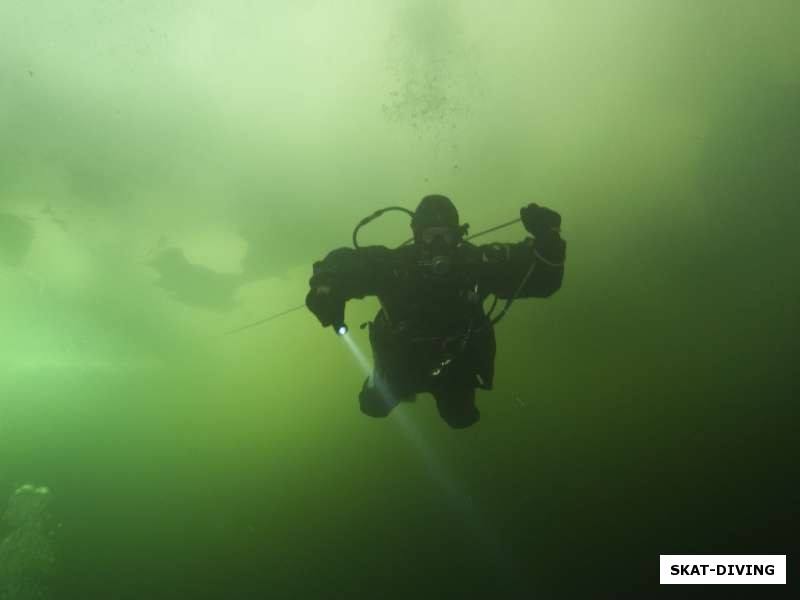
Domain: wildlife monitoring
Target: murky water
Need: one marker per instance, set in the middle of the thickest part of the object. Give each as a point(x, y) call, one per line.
point(170, 171)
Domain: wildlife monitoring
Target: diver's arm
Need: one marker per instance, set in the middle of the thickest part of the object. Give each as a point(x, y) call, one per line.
point(344, 274)
point(507, 265)
point(533, 268)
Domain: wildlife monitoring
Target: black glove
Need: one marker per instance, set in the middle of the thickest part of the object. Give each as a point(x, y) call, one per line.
point(326, 304)
point(539, 220)
point(328, 309)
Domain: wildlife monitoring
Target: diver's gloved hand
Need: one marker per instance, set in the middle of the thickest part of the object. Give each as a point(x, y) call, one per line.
point(326, 304)
point(539, 221)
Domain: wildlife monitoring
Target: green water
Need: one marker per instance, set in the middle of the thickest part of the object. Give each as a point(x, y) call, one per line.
point(171, 170)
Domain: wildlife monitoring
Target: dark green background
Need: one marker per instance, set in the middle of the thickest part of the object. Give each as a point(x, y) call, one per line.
point(170, 170)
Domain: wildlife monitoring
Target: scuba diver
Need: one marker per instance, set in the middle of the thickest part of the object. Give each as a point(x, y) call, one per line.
point(431, 334)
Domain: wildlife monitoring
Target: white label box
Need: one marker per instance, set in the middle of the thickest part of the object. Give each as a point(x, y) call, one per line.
point(722, 569)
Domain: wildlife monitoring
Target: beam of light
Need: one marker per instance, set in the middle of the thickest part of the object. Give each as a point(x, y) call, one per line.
point(437, 470)
point(434, 466)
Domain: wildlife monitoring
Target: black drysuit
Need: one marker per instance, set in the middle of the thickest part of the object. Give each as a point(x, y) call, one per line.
point(431, 333)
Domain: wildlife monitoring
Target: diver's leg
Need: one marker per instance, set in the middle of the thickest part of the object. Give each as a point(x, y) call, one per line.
point(456, 404)
point(377, 399)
